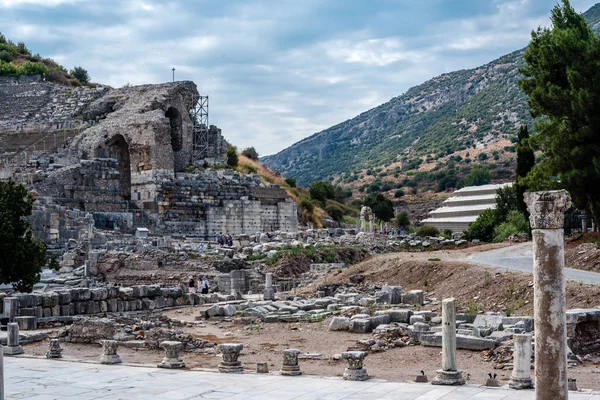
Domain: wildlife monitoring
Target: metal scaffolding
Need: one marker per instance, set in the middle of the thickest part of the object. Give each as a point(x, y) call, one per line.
point(199, 115)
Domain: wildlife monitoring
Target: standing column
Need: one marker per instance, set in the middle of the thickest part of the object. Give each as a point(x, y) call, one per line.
point(546, 211)
point(268, 292)
point(448, 375)
point(1, 372)
point(521, 374)
point(11, 308)
point(12, 341)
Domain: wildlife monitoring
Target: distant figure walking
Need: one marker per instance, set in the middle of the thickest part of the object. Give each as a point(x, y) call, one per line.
point(204, 285)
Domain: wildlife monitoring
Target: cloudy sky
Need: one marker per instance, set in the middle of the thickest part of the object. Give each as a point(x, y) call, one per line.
point(280, 70)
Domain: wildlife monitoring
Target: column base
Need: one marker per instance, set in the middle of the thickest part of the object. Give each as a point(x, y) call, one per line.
point(110, 359)
point(171, 363)
point(13, 350)
point(448, 378)
point(53, 354)
point(269, 293)
point(355, 374)
point(520, 383)
point(231, 369)
point(290, 371)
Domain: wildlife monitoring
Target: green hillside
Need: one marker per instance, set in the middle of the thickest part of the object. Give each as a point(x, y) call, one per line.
point(416, 134)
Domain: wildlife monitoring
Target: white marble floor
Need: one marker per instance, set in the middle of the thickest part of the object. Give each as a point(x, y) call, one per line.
point(41, 379)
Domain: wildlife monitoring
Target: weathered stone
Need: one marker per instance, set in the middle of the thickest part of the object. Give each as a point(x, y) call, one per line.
point(448, 375)
point(355, 370)
point(360, 325)
point(13, 346)
point(230, 363)
point(339, 324)
point(172, 359)
point(26, 323)
point(54, 349)
point(290, 365)
point(414, 297)
point(109, 352)
point(521, 373)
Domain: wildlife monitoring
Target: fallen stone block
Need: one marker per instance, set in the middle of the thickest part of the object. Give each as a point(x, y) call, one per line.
point(360, 325)
point(414, 297)
point(462, 342)
point(339, 324)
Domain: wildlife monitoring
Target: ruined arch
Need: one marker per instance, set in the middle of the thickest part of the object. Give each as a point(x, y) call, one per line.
point(175, 122)
point(120, 149)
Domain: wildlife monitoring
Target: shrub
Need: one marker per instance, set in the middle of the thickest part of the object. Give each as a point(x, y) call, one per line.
point(334, 212)
point(477, 176)
point(7, 68)
point(398, 193)
point(402, 219)
point(307, 205)
point(22, 49)
point(483, 227)
point(515, 223)
point(5, 56)
point(81, 74)
point(8, 48)
point(321, 191)
point(232, 157)
point(482, 156)
point(33, 68)
point(428, 230)
point(291, 182)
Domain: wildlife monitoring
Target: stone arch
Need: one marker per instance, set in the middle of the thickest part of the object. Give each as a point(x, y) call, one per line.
point(175, 122)
point(120, 148)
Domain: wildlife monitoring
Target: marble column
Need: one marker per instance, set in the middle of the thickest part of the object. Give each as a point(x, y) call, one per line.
point(1, 372)
point(290, 365)
point(521, 374)
point(546, 211)
point(54, 350)
point(172, 351)
point(12, 341)
point(11, 308)
point(355, 370)
point(269, 292)
point(230, 363)
point(448, 375)
point(109, 352)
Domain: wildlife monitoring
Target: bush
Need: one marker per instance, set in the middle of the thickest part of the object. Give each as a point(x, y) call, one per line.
point(515, 223)
point(7, 68)
point(482, 156)
point(477, 176)
point(428, 230)
point(402, 219)
point(81, 74)
point(232, 157)
point(321, 191)
point(291, 182)
point(5, 56)
point(398, 193)
point(33, 68)
point(8, 48)
point(307, 205)
point(334, 212)
point(22, 49)
point(483, 227)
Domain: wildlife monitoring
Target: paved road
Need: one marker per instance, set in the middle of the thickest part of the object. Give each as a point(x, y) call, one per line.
point(519, 257)
point(41, 379)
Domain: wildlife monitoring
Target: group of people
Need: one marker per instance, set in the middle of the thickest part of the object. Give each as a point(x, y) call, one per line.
point(199, 286)
point(224, 239)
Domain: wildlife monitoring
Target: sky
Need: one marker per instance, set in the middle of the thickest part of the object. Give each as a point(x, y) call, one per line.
point(276, 71)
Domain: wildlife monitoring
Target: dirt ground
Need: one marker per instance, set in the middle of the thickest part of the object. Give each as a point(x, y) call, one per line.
point(268, 343)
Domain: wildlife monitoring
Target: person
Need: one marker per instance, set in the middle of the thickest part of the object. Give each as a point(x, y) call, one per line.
point(191, 285)
point(401, 230)
point(201, 246)
point(204, 285)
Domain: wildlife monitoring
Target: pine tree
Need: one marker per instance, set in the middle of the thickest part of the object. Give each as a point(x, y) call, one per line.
point(562, 80)
point(525, 162)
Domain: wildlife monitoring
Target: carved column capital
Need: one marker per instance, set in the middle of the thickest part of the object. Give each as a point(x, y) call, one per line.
point(547, 208)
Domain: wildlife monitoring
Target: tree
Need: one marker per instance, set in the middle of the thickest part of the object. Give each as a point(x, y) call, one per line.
point(477, 176)
point(80, 74)
point(291, 182)
point(251, 153)
point(402, 219)
point(562, 79)
point(525, 162)
point(321, 191)
point(382, 207)
point(22, 255)
point(232, 157)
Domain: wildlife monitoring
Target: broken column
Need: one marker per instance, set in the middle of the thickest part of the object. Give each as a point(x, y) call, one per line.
point(11, 308)
point(448, 375)
point(290, 365)
point(54, 350)
point(355, 370)
point(269, 292)
point(521, 374)
point(230, 363)
point(109, 352)
point(172, 351)
point(12, 341)
point(546, 217)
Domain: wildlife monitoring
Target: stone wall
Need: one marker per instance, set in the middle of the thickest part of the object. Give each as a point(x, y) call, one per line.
point(27, 103)
point(54, 223)
point(66, 302)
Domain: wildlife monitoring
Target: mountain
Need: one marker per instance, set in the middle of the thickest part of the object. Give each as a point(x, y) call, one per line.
point(474, 108)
